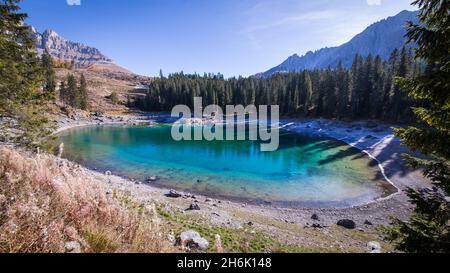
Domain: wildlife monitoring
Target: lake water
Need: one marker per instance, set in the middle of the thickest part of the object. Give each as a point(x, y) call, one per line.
point(308, 170)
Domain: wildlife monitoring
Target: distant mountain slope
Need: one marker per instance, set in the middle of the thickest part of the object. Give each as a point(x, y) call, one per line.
point(380, 38)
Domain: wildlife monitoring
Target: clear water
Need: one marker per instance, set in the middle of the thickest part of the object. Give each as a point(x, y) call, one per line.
point(308, 170)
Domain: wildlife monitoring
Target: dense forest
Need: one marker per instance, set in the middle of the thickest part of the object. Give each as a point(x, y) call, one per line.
point(365, 91)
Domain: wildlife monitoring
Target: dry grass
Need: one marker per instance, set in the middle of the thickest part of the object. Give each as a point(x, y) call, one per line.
point(45, 203)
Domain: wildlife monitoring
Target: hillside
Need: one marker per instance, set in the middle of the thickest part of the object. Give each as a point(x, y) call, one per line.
point(103, 75)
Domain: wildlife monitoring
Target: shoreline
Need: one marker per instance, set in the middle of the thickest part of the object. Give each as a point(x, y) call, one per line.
point(373, 147)
point(319, 205)
point(370, 155)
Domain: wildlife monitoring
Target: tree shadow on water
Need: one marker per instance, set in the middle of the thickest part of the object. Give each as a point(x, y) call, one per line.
point(389, 156)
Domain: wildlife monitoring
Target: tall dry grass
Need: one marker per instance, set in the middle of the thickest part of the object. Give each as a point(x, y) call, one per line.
point(45, 203)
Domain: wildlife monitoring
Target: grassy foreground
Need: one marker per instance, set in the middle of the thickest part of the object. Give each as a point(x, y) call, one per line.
point(44, 207)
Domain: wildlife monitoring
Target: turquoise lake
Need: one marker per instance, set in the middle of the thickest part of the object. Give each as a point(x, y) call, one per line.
point(307, 170)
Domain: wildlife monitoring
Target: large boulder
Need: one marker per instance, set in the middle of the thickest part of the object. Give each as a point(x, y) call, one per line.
point(347, 223)
point(192, 240)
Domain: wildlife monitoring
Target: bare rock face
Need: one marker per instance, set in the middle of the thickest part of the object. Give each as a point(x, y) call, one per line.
point(84, 56)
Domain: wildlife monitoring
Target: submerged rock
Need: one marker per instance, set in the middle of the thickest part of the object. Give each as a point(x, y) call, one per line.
point(152, 179)
point(346, 223)
point(192, 240)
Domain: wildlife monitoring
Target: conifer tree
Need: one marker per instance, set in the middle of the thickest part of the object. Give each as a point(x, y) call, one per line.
point(428, 230)
point(49, 75)
point(377, 85)
point(308, 92)
point(83, 94)
point(21, 96)
point(63, 92)
point(342, 82)
point(73, 99)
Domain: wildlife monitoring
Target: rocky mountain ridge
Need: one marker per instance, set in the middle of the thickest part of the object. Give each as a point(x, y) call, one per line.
point(65, 50)
point(380, 38)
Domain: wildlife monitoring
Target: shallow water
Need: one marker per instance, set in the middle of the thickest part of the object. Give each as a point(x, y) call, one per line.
point(308, 170)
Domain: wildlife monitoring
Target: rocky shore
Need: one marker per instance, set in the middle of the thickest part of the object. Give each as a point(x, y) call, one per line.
point(81, 119)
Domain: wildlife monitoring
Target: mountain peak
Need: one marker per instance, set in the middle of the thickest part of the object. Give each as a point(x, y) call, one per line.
point(380, 38)
point(50, 33)
point(84, 56)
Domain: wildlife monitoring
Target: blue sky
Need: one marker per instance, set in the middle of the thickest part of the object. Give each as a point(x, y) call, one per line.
point(234, 37)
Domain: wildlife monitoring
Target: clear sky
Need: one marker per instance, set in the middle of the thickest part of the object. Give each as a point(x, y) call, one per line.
point(234, 37)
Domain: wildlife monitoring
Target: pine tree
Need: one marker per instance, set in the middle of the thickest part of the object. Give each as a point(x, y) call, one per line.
point(342, 82)
point(83, 94)
point(428, 230)
point(367, 86)
point(357, 93)
point(21, 98)
point(63, 92)
point(399, 100)
point(49, 75)
point(73, 99)
point(308, 92)
point(377, 95)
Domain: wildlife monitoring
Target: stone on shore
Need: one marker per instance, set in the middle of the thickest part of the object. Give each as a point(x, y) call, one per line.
point(174, 194)
point(194, 206)
point(346, 223)
point(192, 240)
point(374, 247)
point(72, 247)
